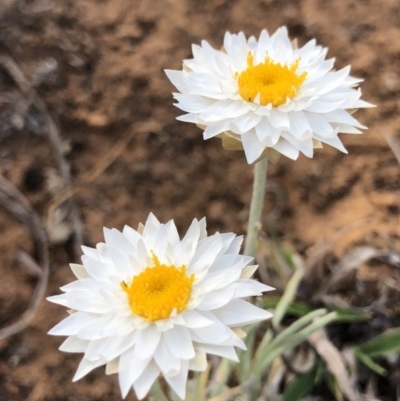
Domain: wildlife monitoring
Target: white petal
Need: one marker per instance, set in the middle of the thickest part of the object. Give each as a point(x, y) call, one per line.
point(59, 299)
point(178, 381)
point(121, 263)
point(122, 243)
point(267, 134)
point(150, 228)
point(72, 324)
point(248, 271)
point(225, 352)
point(193, 103)
point(334, 142)
point(205, 255)
point(249, 288)
point(306, 146)
point(116, 346)
point(227, 109)
point(85, 367)
point(216, 128)
point(203, 228)
point(143, 256)
point(107, 325)
point(112, 367)
point(187, 247)
point(216, 299)
point(189, 118)
point(104, 252)
point(234, 247)
point(176, 77)
point(199, 362)
point(319, 106)
point(217, 333)
point(98, 270)
point(343, 117)
point(287, 149)
point(87, 301)
point(147, 341)
point(145, 381)
point(168, 364)
point(299, 125)
point(131, 235)
point(239, 312)
point(130, 368)
point(253, 148)
point(264, 45)
point(93, 253)
point(279, 119)
point(74, 344)
point(179, 342)
point(79, 270)
point(173, 236)
point(195, 319)
point(229, 261)
point(319, 125)
point(246, 122)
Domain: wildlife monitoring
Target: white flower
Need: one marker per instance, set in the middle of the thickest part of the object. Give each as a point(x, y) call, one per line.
point(267, 94)
point(146, 303)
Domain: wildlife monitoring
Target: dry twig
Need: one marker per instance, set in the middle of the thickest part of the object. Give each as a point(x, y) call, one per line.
point(18, 205)
point(334, 362)
point(55, 142)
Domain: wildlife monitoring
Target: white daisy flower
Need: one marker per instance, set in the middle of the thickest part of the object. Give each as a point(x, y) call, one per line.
point(267, 96)
point(147, 302)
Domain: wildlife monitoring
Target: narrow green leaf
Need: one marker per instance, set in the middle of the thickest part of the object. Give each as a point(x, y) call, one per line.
point(277, 348)
point(263, 344)
point(268, 347)
point(300, 386)
point(246, 357)
point(348, 315)
point(303, 334)
point(287, 297)
point(384, 344)
point(299, 324)
point(367, 361)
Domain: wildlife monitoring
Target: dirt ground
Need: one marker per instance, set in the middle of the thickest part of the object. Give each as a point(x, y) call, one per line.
point(98, 65)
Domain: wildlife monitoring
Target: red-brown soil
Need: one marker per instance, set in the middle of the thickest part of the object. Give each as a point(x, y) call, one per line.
point(98, 64)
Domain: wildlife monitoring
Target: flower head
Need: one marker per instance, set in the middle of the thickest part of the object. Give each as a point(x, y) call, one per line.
point(267, 96)
point(147, 302)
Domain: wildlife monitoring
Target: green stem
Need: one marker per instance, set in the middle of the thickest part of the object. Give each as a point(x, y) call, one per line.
point(157, 392)
point(256, 206)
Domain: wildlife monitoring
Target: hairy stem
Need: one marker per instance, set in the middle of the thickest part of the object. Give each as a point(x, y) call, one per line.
point(256, 206)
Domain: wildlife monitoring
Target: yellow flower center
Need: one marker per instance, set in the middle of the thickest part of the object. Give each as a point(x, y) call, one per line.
point(158, 290)
point(274, 82)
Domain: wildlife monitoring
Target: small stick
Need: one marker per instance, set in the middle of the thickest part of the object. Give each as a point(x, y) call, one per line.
point(28, 262)
point(54, 137)
point(334, 361)
point(16, 203)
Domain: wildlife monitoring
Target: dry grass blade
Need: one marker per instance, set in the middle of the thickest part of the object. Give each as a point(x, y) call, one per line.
point(392, 142)
point(28, 262)
point(55, 141)
point(18, 205)
point(334, 362)
point(356, 257)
